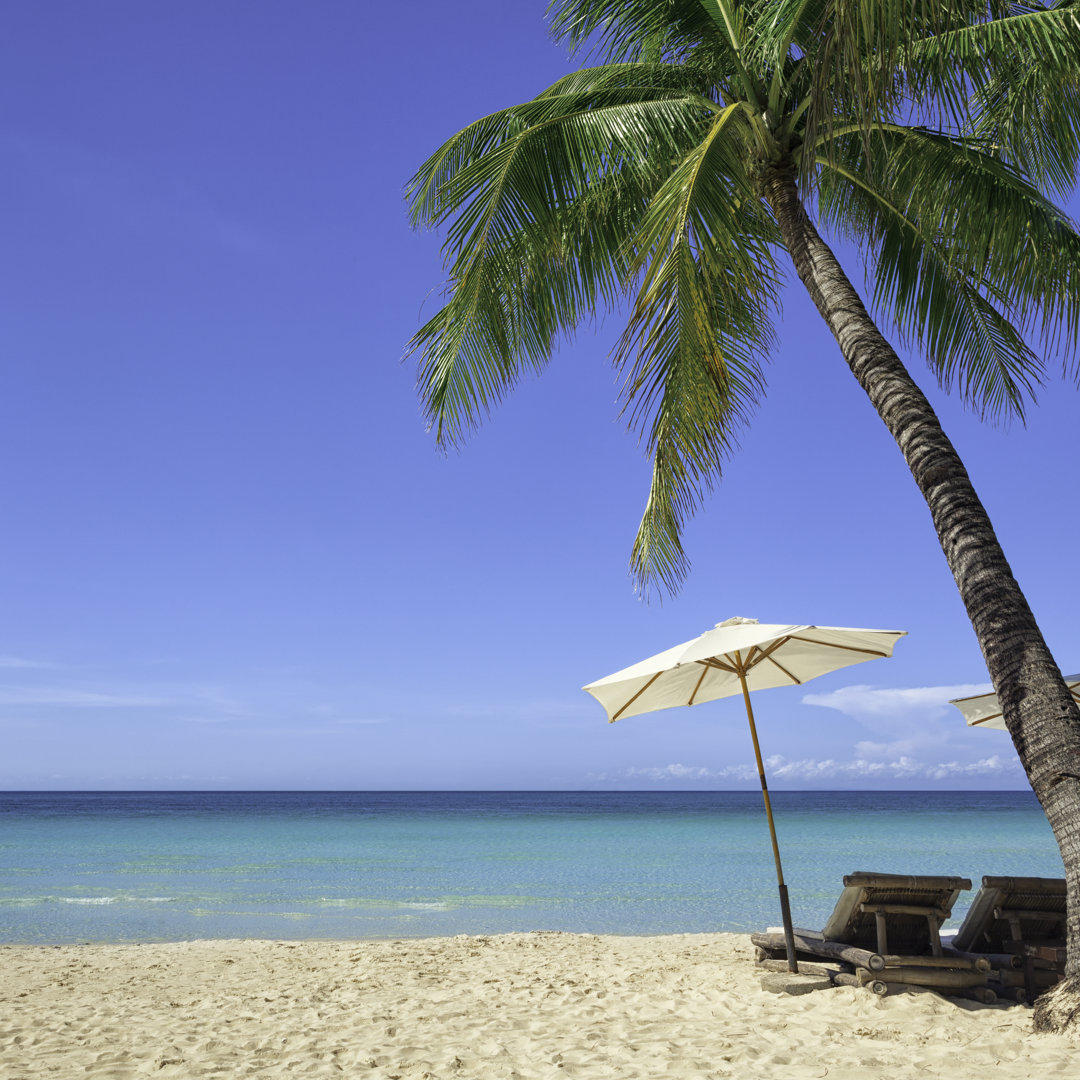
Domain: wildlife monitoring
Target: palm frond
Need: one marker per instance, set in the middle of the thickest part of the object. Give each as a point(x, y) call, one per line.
point(434, 191)
point(783, 30)
point(539, 217)
point(639, 79)
point(700, 330)
point(629, 30)
point(858, 56)
point(1014, 82)
point(710, 34)
point(692, 387)
point(970, 260)
point(997, 228)
point(505, 310)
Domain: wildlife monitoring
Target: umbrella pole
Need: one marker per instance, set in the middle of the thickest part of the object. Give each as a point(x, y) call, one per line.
point(785, 907)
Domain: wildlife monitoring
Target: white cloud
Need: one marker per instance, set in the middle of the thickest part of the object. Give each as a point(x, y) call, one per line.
point(912, 724)
point(901, 768)
point(920, 739)
point(991, 766)
point(672, 772)
point(812, 770)
point(883, 706)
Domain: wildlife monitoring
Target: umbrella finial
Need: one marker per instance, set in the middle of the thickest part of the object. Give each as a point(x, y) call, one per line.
point(735, 620)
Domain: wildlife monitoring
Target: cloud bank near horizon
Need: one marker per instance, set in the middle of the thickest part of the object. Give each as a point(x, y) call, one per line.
point(810, 770)
point(920, 737)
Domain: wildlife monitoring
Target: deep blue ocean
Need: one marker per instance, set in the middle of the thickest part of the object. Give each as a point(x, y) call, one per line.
point(172, 866)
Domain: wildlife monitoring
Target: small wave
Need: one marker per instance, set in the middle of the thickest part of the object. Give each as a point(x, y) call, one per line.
point(225, 913)
point(510, 901)
point(111, 899)
point(381, 902)
point(443, 903)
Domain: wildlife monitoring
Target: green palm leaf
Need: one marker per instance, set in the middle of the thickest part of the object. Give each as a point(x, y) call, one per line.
point(1015, 82)
point(698, 334)
point(540, 200)
point(948, 226)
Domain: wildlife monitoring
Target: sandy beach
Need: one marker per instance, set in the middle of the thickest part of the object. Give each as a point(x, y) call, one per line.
point(518, 1006)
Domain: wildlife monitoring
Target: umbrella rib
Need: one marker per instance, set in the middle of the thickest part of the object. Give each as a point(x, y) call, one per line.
point(972, 697)
point(753, 660)
point(794, 678)
point(715, 661)
point(635, 697)
point(697, 685)
point(831, 645)
point(765, 653)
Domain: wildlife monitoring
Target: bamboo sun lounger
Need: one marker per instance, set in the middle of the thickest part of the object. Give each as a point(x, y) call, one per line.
point(885, 934)
point(1018, 924)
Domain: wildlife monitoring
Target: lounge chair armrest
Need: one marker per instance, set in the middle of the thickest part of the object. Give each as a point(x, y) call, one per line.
point(905, 909)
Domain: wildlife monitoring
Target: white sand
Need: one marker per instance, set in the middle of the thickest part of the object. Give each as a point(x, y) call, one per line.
point(483, 1008)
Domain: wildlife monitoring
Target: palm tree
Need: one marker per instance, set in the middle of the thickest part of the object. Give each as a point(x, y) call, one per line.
point(712, 139)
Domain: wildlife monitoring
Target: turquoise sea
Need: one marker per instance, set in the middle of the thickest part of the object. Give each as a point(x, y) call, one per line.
point(171, 866)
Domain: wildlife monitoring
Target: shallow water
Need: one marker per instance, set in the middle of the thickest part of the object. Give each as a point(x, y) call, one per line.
point(141, 866)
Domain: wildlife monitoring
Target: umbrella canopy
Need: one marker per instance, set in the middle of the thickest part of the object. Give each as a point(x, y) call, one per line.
point(984, 710)
point(737, 656)
point(707, 668)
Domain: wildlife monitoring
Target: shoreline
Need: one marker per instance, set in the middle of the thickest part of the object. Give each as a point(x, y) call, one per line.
point(520, 1006)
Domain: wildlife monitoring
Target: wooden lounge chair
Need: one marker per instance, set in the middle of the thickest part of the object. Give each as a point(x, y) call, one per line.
point(1018, 924)
point(885, 933)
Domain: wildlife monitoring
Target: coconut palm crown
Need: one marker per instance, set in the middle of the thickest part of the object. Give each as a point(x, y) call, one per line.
point(677, 179)
point(921, 131)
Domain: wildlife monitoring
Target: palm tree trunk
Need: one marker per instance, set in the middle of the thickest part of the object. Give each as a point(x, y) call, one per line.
point(1040, 714)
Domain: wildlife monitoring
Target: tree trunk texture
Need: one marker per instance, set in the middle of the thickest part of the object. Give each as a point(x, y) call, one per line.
point(1039, 712)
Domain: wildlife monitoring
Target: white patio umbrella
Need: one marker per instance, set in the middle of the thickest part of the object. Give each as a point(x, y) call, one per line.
point(984, 710)
point(737, 656)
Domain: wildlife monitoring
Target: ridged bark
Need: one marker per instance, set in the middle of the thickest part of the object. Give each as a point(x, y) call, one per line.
point(1040, 714)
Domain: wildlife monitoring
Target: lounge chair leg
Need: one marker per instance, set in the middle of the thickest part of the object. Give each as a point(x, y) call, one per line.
point(882, 936)
point(1017, 932)
point(935, 934)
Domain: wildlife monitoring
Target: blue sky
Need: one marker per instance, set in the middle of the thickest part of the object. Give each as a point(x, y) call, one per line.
point(232, 556)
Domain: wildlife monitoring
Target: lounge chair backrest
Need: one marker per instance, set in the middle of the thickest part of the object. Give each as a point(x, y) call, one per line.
point(1010, 909)
point(899, 913)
